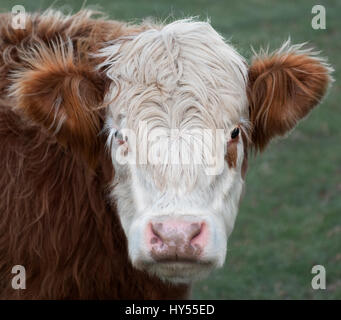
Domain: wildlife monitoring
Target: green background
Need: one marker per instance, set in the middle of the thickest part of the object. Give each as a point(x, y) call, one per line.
point(290, 218)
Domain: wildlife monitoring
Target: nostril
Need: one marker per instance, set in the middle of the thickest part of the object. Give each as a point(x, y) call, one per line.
point(199, 235)
point(195, 230)
point(156, 233)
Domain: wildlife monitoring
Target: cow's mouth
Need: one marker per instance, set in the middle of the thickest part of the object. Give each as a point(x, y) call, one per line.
point(178, 271)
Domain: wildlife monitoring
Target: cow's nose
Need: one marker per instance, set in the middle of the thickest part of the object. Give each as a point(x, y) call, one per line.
point(176, 240)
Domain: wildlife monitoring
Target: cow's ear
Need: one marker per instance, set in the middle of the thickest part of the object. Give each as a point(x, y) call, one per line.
point(283, 87)
point(58, 88)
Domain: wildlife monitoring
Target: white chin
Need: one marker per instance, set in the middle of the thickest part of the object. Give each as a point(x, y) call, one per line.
point(179, 272)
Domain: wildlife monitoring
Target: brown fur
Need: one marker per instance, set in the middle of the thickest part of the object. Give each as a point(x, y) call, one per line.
point(232, 153)
point(55, 219)
point(283, 88)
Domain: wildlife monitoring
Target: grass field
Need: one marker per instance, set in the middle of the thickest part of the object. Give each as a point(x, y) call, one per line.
point(290, 218)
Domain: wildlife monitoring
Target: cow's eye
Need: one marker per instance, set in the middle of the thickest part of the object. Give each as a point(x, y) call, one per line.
point(120, 138)
point(235, 133)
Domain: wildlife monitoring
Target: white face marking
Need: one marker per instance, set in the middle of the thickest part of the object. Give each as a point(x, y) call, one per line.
point(184, 77)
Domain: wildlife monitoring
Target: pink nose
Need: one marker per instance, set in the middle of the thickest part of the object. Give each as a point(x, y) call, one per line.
point(175, 240)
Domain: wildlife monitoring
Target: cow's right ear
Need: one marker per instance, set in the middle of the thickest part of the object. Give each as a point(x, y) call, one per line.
point(59, 89)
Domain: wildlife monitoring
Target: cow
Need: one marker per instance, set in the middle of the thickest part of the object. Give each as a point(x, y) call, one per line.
point(124, 149)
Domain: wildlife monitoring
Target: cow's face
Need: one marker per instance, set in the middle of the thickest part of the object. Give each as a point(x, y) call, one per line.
point(178, 127)
point(177, 130)
point(181, 111)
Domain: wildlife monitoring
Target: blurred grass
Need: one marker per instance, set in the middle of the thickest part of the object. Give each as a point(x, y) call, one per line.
point(290, 218)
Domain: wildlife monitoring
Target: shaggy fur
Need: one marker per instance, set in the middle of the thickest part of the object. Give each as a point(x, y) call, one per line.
point(171, 78)
point(181, 76)
point(284, 87)
point(54, 216)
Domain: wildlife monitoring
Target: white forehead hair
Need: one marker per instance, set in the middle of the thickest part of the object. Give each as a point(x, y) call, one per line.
point(182, 75)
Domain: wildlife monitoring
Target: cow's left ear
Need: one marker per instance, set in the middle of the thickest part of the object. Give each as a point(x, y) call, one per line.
point(283, 87)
